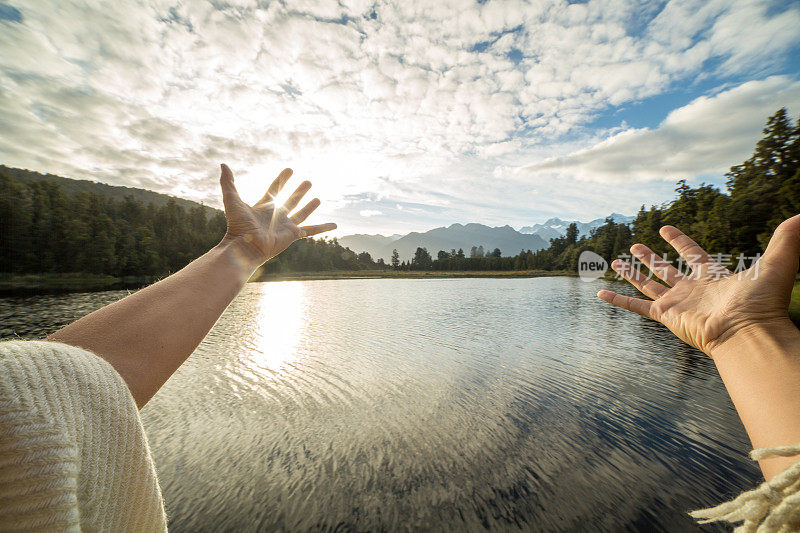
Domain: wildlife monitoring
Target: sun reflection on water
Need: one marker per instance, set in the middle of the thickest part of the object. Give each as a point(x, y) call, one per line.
point(280, 322)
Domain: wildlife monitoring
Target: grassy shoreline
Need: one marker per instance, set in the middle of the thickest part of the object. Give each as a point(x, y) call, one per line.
point(410, 274)
point(30, 284)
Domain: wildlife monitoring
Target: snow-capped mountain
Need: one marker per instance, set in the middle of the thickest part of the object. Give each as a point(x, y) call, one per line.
point(556, 227)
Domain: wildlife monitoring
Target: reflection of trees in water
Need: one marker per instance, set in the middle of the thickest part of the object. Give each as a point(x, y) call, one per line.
point(694, 363)
point(35, 317)
point(689, 362)
point(657, 341)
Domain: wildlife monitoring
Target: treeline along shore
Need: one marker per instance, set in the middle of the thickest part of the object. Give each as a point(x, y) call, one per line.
point(62, 234)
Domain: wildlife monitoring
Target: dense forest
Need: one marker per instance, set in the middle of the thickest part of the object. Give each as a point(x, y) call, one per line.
point(47, 228)
point(71, 187)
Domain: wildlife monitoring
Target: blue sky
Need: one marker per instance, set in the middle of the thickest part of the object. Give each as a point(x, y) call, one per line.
point(405, 115)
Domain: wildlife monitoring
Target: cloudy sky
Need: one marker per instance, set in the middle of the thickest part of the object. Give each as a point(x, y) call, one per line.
point(406, 115)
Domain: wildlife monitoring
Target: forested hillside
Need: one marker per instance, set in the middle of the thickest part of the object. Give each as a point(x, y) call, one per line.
point(44, 229)
point(71, 186)
point(55, 225)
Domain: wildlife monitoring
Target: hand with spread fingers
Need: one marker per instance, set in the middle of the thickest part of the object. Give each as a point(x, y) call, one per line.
point(264, 229)
point(711, 305)
point(741, 320)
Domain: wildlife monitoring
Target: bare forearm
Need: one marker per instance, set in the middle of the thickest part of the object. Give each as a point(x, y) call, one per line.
point(149, 334)
point(761, 370)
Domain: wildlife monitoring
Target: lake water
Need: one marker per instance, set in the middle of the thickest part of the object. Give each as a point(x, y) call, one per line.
point(459, 404)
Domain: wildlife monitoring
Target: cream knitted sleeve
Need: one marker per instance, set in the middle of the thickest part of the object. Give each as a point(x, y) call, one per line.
point(73, 454)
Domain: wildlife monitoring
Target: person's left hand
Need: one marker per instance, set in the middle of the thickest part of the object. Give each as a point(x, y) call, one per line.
point(712, 306)
point(264, 229)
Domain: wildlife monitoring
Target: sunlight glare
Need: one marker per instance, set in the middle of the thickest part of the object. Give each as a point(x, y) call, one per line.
point(281, 322)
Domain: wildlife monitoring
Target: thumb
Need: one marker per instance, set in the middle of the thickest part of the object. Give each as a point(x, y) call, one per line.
point(784, 247)
point(230, 195)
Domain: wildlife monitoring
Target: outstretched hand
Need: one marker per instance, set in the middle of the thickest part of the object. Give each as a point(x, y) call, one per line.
point(712, 305)
point(264, 229)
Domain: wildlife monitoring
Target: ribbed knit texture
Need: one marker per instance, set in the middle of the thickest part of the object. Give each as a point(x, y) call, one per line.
point(73, 453)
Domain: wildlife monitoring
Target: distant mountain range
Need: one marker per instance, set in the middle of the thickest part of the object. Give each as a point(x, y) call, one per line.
point(456, 236)
point(465, 236)
point(555, 227)
point(362, 242)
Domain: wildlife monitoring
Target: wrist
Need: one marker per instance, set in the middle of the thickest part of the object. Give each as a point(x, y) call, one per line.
point(762, 337)
point(242, 255)
point(760, 367)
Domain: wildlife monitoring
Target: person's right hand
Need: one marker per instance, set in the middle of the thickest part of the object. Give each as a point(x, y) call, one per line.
point(713, 305)
point(265, 229)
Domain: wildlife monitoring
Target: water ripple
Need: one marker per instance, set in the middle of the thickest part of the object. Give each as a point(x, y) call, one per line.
point(433, 404)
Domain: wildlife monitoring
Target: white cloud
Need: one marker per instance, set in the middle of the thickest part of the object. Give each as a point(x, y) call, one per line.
point(706, 136)
point(416, 101)
point(370, 212)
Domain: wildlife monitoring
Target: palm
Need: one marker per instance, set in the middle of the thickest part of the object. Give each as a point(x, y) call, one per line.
point(707, 306)
point(266, 229)
point(269, 229)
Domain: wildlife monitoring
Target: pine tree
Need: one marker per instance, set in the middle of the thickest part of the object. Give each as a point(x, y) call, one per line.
point(755, 184)
point(572, 234)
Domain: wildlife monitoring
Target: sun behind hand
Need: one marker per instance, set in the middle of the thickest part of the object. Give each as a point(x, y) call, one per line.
point(264, 229)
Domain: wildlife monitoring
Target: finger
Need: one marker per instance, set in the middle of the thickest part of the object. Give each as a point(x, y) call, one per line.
point(784, 247)
point(637, 305)
point(230, 195)
point(663, 269)
point(296, 196)
point(648, 287)
point(308, 231)
point(277, 185)
point(697, 258)
point(304, 213)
